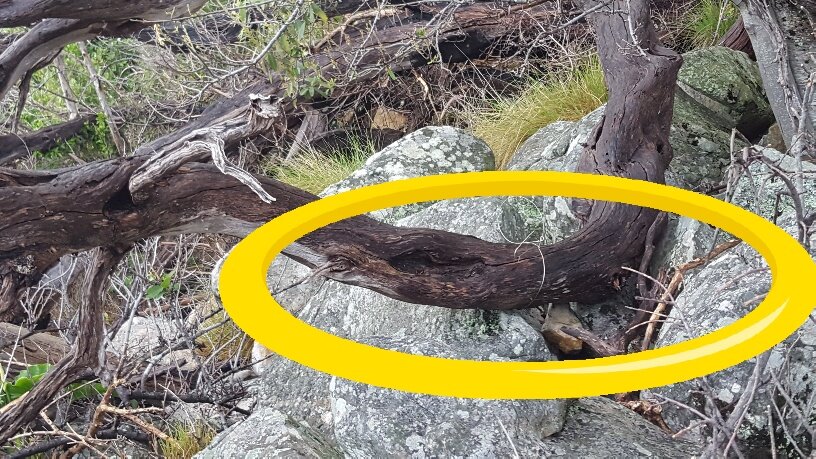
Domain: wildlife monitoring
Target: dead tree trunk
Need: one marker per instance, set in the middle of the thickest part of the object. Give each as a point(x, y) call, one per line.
point(784, 37)
point(48, 214)
point(51, 214)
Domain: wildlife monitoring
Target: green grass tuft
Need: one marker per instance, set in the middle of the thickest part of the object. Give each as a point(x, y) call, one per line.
point(566, 95)
point(708, 22)
point(313, 171)
point(186, 441)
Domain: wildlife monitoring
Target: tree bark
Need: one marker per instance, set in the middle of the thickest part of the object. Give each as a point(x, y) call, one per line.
point(14, 147)
point(784, 37)
point(737, 38)
point(51, 214)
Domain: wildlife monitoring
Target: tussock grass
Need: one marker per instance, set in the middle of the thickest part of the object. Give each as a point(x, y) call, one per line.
point(707, 22)
point(565, 95)
point(224, 339)
point(314, 170)
point(186, 441)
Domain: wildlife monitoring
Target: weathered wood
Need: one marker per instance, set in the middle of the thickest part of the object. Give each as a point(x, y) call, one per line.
point(13, 147)
point(737, 39)
point(16, 13)
point(19, 347)
point(50, 214)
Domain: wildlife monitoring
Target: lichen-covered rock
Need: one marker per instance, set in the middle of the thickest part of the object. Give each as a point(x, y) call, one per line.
point(147, 337)
point(429, 151)
point(268, 433)
point(600, 428)
point(725, 290)
point(701, 146)
point(557, 147)
point(685, 240)
point(364, 315)
point(373, 422)
point(727, 83)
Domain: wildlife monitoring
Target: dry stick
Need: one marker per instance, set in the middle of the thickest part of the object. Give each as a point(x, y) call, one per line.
point(103, 99)
point(745, 400)
point(85, 355)
point(677, 278)
point(65, 85)
point(96, 421)
point(352, 18)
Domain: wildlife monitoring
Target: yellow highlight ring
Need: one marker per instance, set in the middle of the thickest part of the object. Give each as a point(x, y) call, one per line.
point(247, 300)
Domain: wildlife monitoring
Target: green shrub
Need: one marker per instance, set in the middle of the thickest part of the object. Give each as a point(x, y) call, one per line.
point(313, 171)
point(708, 22)
point(26, 379)
point(93, 142)
point(566, 95)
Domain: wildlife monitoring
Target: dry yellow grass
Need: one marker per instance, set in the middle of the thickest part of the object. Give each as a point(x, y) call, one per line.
point(566, 95)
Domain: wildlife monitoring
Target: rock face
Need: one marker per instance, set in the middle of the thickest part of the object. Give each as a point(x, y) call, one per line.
point(722, 292)
point(727, 83)
point(600, 428)
point(358, 420)
point(428, 151)
point(373, 422)
point(271, 434)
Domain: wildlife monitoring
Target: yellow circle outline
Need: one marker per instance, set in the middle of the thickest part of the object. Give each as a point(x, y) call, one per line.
point(247, 299)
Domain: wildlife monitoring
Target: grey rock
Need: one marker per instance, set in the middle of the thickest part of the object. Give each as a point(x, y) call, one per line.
point(557, 147)
point(429, 151)
point(363, 315)
point(268, 433)
point(376, 422)
point(729, 84)
point(725, 290)
point(601, 428)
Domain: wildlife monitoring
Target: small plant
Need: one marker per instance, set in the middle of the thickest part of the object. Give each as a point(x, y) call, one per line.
point(566, 95)
point(158, 290)
point(313, 171)
point(93, 142)
point(26, 379)
point(186, 441)
point(708, 22)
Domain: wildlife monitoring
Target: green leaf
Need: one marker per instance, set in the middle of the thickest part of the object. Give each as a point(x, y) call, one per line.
point(20, 387)
point(35, 372)
point(154, 292)
point(300, 29)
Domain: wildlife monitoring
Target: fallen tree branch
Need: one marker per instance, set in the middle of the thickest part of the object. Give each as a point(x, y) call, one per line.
point(14, 147)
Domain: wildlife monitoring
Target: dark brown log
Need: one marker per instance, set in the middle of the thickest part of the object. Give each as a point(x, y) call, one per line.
point(13, 147)
point(737, 39)
point(16, 13)
point(51, 214)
